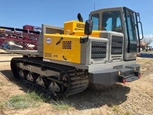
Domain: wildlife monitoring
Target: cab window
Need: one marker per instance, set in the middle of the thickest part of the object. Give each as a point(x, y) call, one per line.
point(111, 21)
point(95, 19)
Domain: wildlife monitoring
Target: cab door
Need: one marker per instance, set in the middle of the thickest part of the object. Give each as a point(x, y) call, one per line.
point(131, 35)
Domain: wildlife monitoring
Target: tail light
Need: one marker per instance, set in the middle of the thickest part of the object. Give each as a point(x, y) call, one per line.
point(139, 75)
point(124, 81)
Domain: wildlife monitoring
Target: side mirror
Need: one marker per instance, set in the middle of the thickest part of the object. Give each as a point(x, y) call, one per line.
point(88, 27)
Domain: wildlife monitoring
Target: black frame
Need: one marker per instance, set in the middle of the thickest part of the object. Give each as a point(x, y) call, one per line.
point(137, 16)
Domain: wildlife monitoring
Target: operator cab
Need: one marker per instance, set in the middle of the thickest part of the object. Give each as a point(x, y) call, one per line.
point(122, 20)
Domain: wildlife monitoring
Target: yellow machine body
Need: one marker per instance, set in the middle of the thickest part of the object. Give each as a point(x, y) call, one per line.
point(95, 34)
point(73, 26)
point(76, 28)
point(62, 48)
point(69, 47)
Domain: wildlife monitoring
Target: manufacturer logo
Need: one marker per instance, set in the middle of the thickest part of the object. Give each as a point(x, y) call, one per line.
point(48, 40)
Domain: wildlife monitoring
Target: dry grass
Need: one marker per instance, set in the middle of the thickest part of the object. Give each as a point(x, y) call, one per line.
point(135, 98)
point(23, 101)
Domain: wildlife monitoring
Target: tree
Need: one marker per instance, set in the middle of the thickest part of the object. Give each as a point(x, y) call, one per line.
point(148, 39)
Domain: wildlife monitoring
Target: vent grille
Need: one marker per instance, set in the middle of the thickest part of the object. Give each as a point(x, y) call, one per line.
point(116, 45)
point(98, 50)
point(66, 44)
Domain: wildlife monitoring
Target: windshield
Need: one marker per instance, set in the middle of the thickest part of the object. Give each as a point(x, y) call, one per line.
point(111, 21)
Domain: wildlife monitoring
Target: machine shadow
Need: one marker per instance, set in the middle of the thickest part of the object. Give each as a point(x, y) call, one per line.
point(88, 99)
point(110, 96)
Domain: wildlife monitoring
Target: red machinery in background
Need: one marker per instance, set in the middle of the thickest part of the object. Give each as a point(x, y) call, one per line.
point(15, 38)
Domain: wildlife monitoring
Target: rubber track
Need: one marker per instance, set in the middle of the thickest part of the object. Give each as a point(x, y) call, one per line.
point(77, 84)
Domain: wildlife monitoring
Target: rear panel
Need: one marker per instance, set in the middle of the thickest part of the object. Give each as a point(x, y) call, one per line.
point(62, 48)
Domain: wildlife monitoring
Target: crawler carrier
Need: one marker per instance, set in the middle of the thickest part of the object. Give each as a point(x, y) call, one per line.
point(102, 50)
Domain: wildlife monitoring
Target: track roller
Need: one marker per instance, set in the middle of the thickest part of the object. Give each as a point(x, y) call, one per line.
point(56, 79)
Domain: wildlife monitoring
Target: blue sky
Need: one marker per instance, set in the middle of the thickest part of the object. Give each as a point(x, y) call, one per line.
point(16, 13)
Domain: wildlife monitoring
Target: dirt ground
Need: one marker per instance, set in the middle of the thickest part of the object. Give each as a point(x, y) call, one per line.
point(135, 98)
